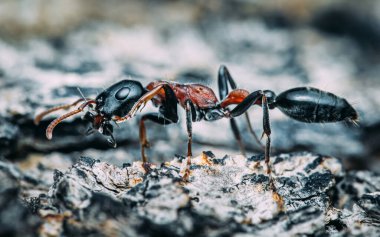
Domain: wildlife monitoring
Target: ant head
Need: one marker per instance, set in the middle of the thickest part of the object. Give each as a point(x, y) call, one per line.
point(271, 98)
point(119, 98)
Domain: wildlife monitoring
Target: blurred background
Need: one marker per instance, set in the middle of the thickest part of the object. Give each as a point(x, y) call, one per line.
point(48, 49)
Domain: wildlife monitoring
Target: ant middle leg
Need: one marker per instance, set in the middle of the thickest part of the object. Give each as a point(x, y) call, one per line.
point(189, 141)
point(225, 79)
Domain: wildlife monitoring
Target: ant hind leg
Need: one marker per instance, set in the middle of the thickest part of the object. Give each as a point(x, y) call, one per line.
point(252, 131)
point(266, 132)
point(235, 130)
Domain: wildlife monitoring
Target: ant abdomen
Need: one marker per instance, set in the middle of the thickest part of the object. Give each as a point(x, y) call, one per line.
point(312, 105)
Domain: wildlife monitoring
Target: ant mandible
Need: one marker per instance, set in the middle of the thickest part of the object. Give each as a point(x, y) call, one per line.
point(123, 99)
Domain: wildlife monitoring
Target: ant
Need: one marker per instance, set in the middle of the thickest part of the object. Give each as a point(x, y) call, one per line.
point(122, 100)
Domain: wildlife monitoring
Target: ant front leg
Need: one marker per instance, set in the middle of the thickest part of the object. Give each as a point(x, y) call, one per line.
point(188, 105)
point(167, 115)
point(154, 117)
point(41, 115)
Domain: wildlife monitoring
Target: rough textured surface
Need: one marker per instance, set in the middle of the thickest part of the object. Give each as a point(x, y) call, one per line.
point(15, 218)
point(225, 196)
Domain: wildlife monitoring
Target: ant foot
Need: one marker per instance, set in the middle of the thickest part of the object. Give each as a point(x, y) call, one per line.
point(186, 176)
point(186, 170)
point(276, 196)
point(147, 167)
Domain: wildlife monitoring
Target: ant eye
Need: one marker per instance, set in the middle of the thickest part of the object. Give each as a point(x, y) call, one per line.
point(122, 93)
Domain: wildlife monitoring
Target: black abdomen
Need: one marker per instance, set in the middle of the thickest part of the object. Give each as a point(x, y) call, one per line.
point(311, 105)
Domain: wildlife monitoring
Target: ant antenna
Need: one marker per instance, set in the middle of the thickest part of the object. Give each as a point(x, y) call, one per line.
point(84, 98)
point(80, 92)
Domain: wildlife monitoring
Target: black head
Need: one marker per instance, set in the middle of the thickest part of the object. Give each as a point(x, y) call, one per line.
point(116, 100)
point(119, 98)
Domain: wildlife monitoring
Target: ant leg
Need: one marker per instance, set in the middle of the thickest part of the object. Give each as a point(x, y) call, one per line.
point(55, 122)
point(248, 101)
point(154, 117)
point(170, 102)
point(41, 115)
point(251, 99)
point(241, 108)
point(250, 129)
point(168, 114)
point(190, 138)
point(143, 141)
point(267, 132)
point(235, 130)
point(225, 78)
